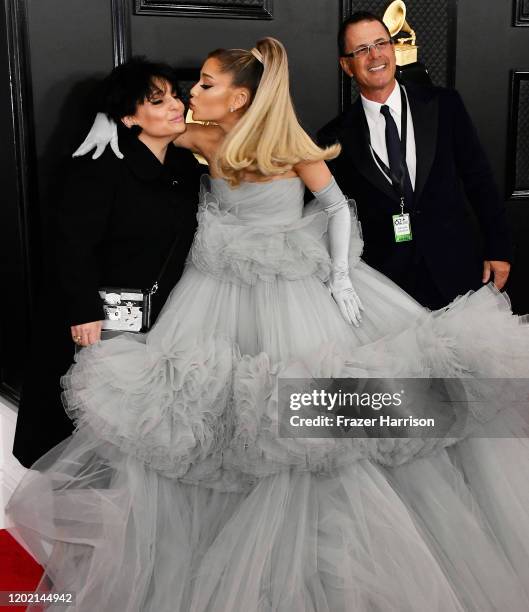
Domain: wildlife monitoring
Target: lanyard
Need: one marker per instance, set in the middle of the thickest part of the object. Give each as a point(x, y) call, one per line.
point(396, 181)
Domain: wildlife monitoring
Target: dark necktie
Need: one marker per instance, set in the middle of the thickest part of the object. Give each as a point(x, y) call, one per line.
point(394, 154)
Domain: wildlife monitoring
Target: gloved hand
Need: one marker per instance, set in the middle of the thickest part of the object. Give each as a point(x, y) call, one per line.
point(345, 296)
point(339, 229)
point(102, 132)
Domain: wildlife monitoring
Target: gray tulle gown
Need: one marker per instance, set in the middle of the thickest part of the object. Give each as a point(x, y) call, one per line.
point(175, 492)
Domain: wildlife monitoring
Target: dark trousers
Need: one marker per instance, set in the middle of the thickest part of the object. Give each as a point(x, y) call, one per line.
point(408, 269)
point(422, 287)
point(42, 421)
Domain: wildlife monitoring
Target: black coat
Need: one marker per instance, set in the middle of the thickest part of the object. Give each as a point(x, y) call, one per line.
point(113, 226)
point(451, 163)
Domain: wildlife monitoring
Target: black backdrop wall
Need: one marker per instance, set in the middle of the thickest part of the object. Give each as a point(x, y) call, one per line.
point(489, 50)
point(52, 51)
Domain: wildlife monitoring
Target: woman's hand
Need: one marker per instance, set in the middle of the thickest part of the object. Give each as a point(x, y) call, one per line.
point(103, 131)
point(336, 206)
point(345, 296)
point(86, 333)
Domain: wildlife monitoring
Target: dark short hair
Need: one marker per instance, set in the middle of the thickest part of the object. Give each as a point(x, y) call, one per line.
point(351, 20)
point(132, 83)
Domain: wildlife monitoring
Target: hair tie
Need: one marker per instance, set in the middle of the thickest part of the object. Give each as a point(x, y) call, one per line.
point(257, 54)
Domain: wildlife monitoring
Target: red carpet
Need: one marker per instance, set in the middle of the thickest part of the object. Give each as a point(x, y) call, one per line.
point(18, 571)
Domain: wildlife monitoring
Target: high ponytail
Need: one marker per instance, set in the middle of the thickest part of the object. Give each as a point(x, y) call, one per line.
point(268, 139)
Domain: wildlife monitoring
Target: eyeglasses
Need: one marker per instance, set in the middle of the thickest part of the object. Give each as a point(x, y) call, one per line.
point(364, 51)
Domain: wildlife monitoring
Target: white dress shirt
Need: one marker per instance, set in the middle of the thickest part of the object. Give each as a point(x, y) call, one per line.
point(377, 130)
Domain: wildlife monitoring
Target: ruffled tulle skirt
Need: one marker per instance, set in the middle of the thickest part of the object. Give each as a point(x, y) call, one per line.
point(175, 493)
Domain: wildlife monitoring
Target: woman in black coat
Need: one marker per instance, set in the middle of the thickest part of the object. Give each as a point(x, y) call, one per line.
point(114, 226)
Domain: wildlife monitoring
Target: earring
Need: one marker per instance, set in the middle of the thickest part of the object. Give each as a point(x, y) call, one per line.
point(231, 109)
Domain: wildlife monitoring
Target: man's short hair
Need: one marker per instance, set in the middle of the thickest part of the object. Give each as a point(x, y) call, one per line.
point(351, 20)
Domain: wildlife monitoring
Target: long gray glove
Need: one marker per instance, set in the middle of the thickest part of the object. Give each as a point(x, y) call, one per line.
point(339, 231)
point(102, 132)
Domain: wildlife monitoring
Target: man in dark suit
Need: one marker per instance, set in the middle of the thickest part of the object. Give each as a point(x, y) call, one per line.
point(428, 245)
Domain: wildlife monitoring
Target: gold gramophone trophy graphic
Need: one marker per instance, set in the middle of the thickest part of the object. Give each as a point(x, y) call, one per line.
point(406, 49)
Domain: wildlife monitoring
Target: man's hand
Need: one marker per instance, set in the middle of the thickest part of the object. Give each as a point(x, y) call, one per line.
point(102, 132)
point(86, 333)
point(499, 269)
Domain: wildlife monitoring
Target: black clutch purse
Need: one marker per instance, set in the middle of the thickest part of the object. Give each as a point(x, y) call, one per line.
point(129, 310)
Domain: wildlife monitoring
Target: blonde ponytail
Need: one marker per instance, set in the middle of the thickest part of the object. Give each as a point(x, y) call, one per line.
point(268, 139)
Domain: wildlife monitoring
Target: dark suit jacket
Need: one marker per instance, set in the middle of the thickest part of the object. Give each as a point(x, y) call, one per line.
point(113, 225)
point(450, 163)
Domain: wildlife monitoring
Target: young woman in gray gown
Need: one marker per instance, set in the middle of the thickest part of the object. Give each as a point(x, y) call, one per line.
point(176, 491)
